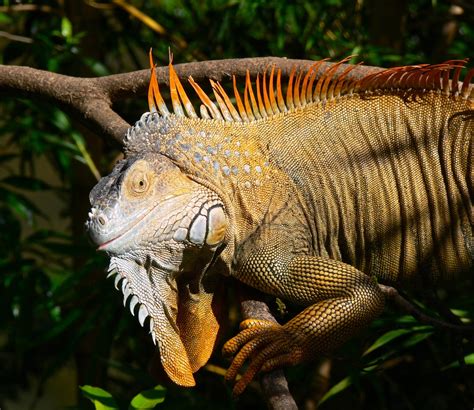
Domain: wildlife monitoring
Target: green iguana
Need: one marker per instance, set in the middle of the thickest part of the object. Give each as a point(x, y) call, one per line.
point(315, 198)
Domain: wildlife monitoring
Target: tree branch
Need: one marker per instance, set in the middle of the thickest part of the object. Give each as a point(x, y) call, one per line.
point(392, 294)
point(274, 385)
point(90, 100)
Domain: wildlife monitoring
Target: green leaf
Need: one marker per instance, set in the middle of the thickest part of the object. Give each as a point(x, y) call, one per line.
point(61, 121)
point(337, 388)
point(85, 154)
point(386, 338)
point(66, 27)
point(102, 399)
point(469, 359)
point(416, 338)
point(148, 399)
point(5, 19)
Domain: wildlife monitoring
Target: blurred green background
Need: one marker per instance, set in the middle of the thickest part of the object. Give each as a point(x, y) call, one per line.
point(62, 325)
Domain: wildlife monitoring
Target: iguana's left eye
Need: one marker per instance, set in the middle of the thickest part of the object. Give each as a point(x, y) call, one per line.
point(139, 182)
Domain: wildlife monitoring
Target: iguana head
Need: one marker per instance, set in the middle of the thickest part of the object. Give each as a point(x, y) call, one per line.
point(162, 230)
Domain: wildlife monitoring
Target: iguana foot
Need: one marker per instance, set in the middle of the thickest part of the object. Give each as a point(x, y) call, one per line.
point(267, 345)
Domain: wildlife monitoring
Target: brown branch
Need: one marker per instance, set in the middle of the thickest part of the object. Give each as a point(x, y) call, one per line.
point(81, 97)
point(90, 99)
point(392, 294)
point(274, 384)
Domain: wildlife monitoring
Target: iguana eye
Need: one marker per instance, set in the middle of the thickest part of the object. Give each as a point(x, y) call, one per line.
point(139, 182)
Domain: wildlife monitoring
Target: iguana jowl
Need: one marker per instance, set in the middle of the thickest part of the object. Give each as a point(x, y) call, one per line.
point(311, 198)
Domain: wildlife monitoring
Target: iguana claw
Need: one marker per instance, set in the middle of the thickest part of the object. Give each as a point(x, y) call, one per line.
point(268, 346)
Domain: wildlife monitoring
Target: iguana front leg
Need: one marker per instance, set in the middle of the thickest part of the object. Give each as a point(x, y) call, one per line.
point(342, 300)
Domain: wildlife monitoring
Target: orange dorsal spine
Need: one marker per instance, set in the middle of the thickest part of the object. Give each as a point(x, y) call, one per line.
point(305, 88)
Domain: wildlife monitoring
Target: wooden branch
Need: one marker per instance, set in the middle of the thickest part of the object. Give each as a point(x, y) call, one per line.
point(91, 99)
point(274, 384)
point(81, 97)
point(392, 294)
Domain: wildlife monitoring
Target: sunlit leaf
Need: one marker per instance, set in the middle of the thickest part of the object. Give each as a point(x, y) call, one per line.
point(66, 27)
point(148, 399)
point(102, 399)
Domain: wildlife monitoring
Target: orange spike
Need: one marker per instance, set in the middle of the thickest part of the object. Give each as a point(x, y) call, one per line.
point(446, 81)
point(317, 89)
point(224, 110)
point(272, 92)
point(415, 79)
point(429, 78)
point(329, 75)
point(296, 90)
point(228, 103)
point(437, 84)
point(266, 100)
point(315, 68)
point(334, 80)
point(455, 79)
point(248, 85)
point(402, 78)
point(409, 78)
point(155, 100)
point(151, 99)
point(341, 79)
point(255, 110)
point(177, 107)
point(289, 90)
point(352, 84)
point(304, 87)
point(214, 111)
point(281, 101)
point(182, 94)
point(259, 98)
point(466, 83)
point(238, 100)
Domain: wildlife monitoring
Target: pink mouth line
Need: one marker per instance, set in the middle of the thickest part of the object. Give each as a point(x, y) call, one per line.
point(105, 244)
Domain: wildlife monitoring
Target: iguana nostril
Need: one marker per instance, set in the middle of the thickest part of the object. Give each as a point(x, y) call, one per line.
point(101, 220)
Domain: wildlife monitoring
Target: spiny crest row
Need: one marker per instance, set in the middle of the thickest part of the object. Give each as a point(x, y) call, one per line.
point(305, 88)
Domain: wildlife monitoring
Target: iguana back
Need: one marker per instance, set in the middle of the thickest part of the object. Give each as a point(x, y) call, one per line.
point(386, 178)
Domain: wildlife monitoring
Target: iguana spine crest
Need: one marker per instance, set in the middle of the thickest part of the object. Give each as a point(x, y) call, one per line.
point(268, 99)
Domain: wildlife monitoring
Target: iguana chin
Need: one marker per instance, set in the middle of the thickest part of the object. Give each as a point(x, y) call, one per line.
point(312, 197)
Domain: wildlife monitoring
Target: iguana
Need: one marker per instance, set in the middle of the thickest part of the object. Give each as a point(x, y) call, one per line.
point(315, 197)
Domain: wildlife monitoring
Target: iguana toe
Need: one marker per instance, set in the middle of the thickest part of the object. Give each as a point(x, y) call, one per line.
point(266, 346)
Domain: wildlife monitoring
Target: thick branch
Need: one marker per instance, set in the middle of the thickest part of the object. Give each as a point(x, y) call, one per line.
point(90, 99)
point(274, 384)
point(79, 96)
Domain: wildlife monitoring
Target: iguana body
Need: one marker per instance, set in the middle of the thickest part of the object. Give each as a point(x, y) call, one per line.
point(308, 198)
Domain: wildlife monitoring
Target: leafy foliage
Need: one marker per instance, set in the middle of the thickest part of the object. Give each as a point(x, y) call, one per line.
point(55, 306)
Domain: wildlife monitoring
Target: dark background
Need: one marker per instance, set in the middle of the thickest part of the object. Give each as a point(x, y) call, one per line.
point(63, 325)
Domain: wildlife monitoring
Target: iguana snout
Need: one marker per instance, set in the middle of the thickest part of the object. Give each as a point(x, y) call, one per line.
point(161, 230)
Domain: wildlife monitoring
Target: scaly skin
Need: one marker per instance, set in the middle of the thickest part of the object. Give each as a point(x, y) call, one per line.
point(312, 203)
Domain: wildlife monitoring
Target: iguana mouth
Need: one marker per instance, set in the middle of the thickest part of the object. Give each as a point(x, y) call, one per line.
point(104, 245)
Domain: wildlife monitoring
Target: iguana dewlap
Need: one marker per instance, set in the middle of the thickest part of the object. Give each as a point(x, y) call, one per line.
point(311, 197)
